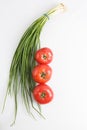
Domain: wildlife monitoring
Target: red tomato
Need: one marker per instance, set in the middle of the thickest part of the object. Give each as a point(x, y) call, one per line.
point(41, 73)
point(43, 94)
point(44, 55)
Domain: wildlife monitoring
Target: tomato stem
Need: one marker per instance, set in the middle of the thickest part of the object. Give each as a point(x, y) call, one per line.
point(43, 75)
point(43, 95)
point(44, 57)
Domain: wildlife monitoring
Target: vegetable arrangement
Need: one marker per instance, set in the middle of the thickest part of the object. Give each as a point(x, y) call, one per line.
point(24, 71)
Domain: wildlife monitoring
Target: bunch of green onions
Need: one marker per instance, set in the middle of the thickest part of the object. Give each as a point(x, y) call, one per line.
point(20, 77)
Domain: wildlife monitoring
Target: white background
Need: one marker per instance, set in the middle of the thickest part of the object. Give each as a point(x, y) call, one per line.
point(66, 34)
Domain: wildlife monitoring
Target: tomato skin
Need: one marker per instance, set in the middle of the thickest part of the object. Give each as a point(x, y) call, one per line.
point(41, 73)
point(44, 55)
point(43, 94)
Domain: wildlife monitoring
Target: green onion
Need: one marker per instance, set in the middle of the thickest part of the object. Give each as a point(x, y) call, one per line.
point(20, 77)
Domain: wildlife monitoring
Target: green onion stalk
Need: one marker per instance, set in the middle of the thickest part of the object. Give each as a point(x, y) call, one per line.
point(20, 75)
